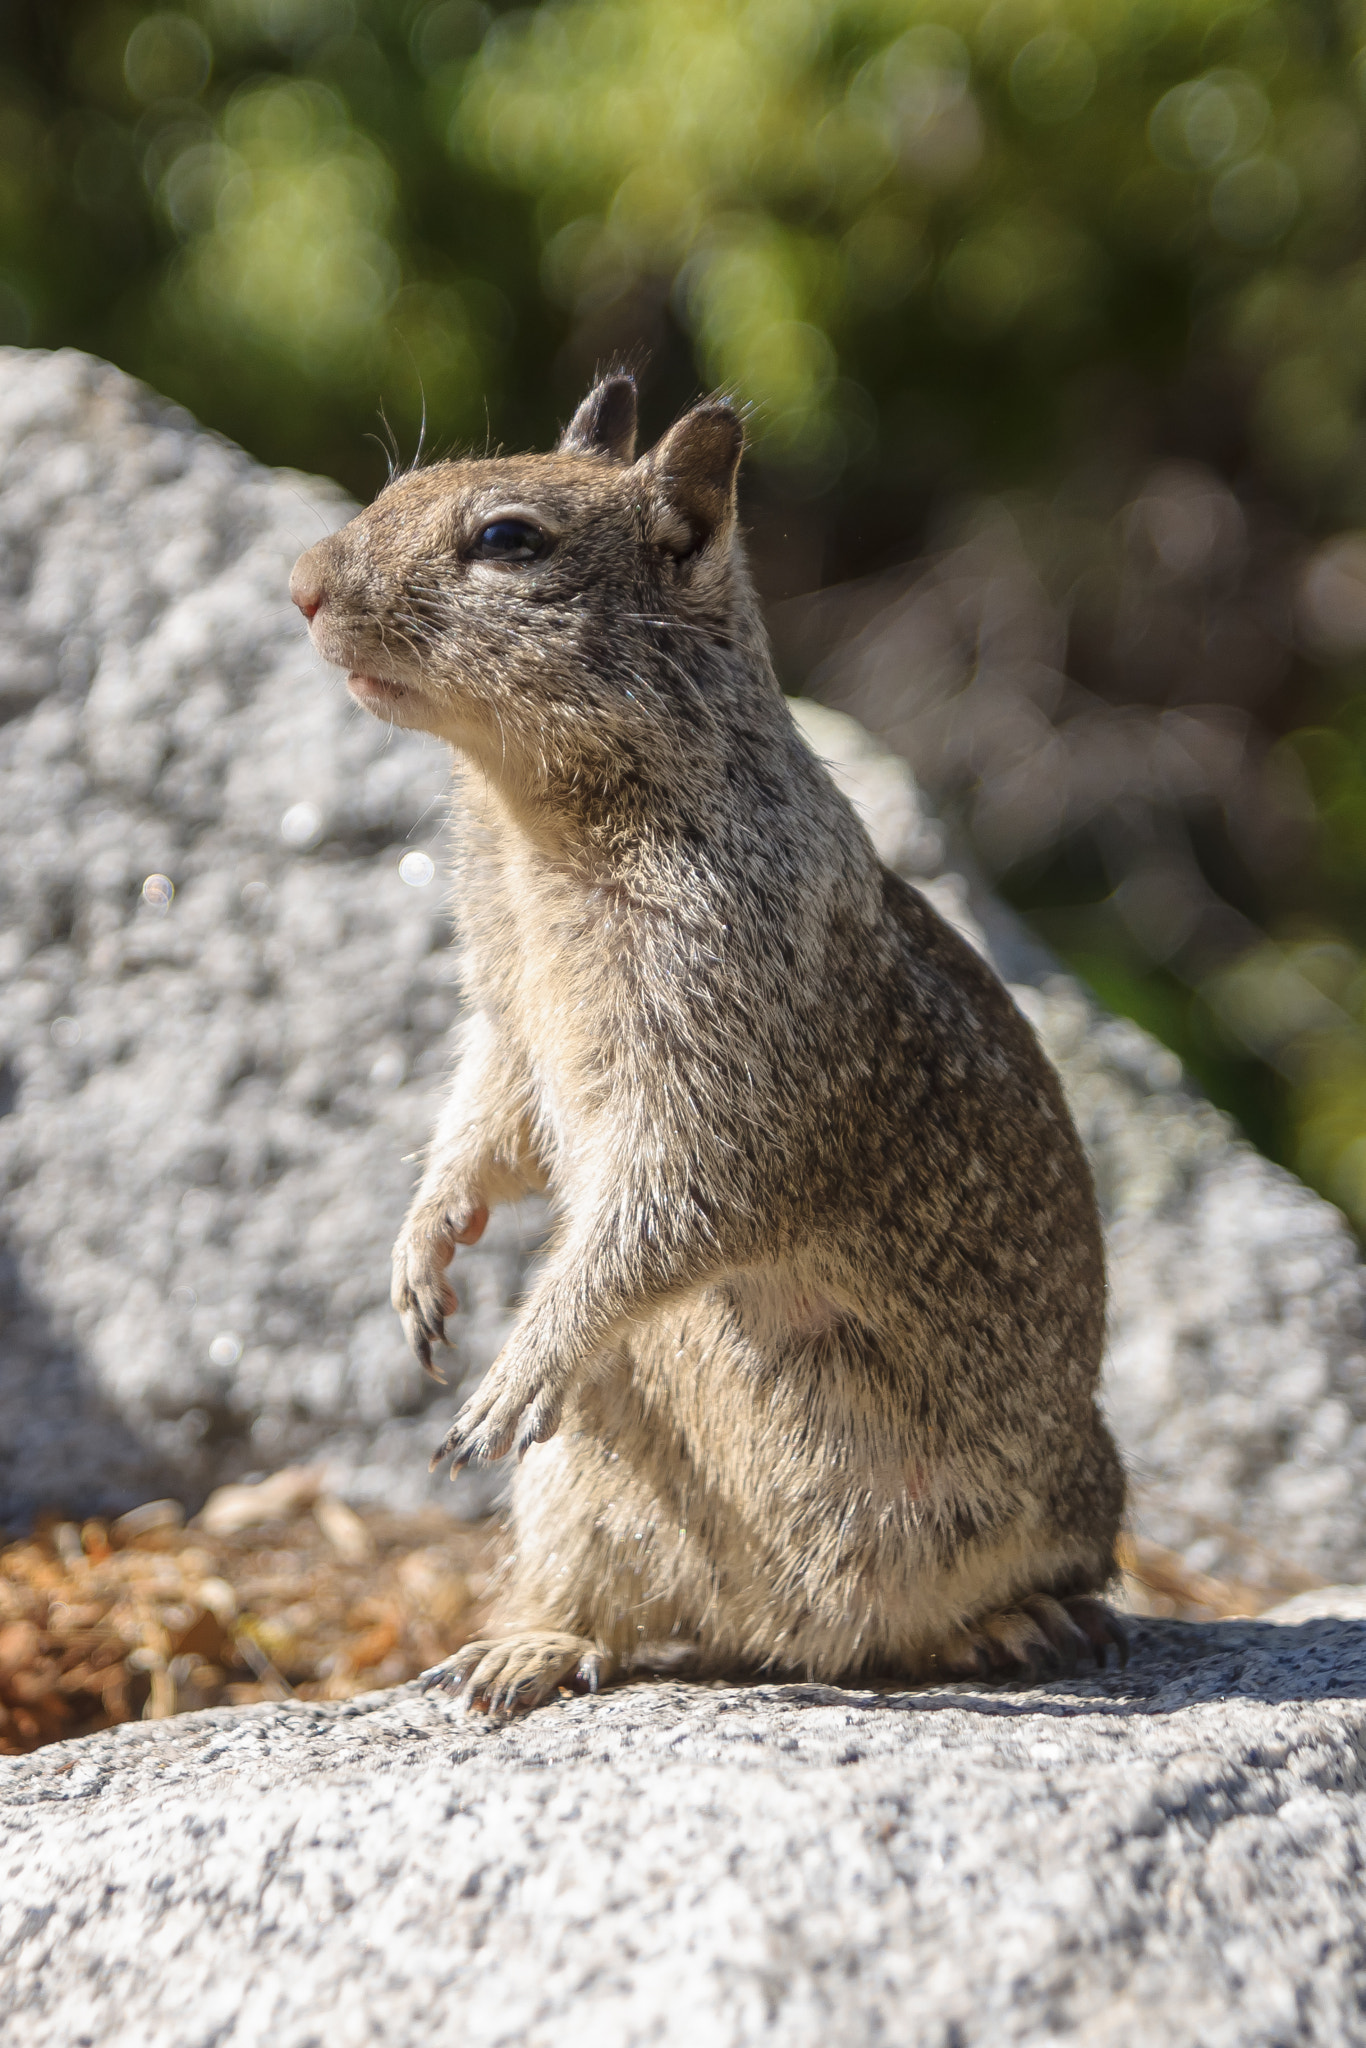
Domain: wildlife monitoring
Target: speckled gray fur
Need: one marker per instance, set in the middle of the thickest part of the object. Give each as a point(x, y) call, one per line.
point(809, 1375)
point(1171, 1860)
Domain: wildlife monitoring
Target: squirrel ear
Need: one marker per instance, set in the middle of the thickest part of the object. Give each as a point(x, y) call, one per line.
point(693, 471)
point(605, 424)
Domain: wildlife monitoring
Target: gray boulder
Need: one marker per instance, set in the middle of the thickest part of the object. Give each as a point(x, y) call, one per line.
point(1166, 1860)
point(211, 1098)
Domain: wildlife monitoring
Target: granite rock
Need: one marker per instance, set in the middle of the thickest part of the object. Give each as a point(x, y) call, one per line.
point(210, 1098)
point(1165, 1859)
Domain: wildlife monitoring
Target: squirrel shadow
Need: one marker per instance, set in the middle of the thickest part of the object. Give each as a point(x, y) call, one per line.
point(1172, 1665)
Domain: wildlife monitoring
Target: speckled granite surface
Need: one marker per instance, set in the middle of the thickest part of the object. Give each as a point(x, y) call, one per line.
point(1171, 1857)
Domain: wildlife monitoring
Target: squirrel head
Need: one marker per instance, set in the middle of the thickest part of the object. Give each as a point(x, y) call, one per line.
point(548, 612)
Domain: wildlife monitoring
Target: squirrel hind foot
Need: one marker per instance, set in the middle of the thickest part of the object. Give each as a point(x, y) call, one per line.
point(1039, 1637)
point(514, 1674)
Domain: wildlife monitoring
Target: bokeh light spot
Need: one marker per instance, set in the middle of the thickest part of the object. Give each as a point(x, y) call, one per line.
point(417, 869)
point(302, 826)
point(167, 57)
point(1254, 202)
point(1053, 76)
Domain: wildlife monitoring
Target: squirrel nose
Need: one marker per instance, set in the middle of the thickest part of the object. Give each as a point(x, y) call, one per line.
point(306, 587)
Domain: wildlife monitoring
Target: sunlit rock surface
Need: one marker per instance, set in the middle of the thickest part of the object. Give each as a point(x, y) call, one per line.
point(210, 1104)
point(1165, 1860)
point(210, 1100)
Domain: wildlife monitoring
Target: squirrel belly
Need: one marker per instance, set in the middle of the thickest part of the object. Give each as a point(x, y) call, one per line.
point(808, 1381)
point(881, 1430)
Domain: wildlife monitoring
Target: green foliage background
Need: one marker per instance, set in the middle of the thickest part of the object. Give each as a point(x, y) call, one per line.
point(945, 250)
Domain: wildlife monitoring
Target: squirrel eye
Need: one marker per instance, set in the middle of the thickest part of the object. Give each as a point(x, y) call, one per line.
point(508, 540)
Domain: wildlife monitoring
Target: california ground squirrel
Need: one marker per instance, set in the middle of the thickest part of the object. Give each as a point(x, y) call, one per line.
point(807, 1384)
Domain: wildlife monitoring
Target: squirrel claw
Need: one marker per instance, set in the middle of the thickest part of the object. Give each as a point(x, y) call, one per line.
point(422, 1351)
point(1101, 1627)
point(464, 1443)
point(421, 1335)
point(459, 1456)
point(421, 1293)
point(508, 1677)
point(498, 1419)
point(537, 1427)
point(1041, 1637)
point(589, 1672)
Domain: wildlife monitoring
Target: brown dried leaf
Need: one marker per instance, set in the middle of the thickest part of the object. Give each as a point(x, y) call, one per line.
point(344, 1529)
point(234, 1508)
point(19, 1645)
point(152, 1515)
point(93, 1631)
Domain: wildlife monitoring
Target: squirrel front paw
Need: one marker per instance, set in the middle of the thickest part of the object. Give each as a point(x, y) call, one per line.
point(515, 1405)
point(421, 1293)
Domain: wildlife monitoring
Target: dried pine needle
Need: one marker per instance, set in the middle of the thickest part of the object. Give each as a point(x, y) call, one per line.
point(146, 1617)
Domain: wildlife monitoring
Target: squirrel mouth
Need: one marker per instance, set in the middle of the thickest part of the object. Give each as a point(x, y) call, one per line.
point(376, 689)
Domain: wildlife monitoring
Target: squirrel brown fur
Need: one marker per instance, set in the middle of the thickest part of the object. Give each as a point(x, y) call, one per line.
point(807, 1384)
